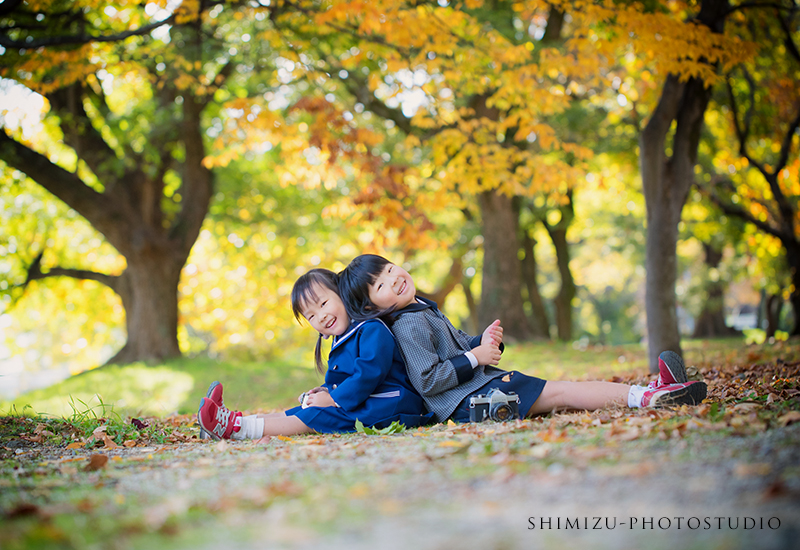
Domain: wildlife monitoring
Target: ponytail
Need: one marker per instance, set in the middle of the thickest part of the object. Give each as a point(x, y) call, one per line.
point(318, 356)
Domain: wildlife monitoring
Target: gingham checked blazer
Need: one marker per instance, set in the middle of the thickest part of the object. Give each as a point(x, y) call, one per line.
point(433, 350)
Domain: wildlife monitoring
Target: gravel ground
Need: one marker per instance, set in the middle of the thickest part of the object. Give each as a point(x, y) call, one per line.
point(357, 492)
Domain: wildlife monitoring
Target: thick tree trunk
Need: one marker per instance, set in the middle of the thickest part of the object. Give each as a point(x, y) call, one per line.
point(501, 282)
point(128, 212)
point(666, 183)
point(149, 292)
point(711, 321)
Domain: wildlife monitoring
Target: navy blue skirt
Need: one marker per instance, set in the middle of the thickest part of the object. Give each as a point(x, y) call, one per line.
point(326, 420)
point(528, 388)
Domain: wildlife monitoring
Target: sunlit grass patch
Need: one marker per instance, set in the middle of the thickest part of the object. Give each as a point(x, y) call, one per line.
point(172, 387)
point(135, 389)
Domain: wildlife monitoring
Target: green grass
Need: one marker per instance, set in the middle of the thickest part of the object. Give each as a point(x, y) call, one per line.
point(171, 387)
point(573, 361)
point(177, 386)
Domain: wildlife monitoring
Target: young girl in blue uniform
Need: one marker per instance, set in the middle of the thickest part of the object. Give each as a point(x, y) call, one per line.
point(366, 378)
point(448, 366)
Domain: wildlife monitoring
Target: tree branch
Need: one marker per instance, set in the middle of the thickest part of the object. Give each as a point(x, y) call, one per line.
point(80, 133)
point(741, 213)
point(786, 146)
point(78, 38)
point(757, 5)
point(35, 273)
point(103, 213)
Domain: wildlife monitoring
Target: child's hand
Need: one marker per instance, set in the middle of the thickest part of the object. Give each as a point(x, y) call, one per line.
point(303, 395)
point(493, 334)
point(487, 354)
point(319, 399)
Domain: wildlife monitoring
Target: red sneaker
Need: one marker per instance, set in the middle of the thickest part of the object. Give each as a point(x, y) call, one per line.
point(687, 393)
point(214, 393)
point(671, 370)
point(218, 422)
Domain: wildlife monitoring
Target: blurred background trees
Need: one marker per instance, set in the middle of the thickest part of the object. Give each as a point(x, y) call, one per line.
point(169, 169)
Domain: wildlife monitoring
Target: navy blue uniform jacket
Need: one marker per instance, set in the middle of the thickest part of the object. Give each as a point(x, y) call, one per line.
point(367, 378)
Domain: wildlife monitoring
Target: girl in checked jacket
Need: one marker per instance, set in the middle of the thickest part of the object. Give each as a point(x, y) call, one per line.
point(448, 366)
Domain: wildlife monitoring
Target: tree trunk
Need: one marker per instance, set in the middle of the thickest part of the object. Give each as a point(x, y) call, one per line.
point(711, 321)
point(128, 212)
point(473, 307)
point(773, 312)
point(453, 278)
point(149, 292)
point(666, 183)
point(793, 258)
point(501, 282)
point(540, 326)
point(566, 293)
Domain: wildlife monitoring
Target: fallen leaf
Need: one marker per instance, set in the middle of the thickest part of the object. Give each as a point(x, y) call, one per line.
point(754, 469)
point(129, 443)
point(776, 489)
point(138, 424)
point(22, 510)
point(789, 418)
point(96, 462)
point(100, 431)
point(76, 445)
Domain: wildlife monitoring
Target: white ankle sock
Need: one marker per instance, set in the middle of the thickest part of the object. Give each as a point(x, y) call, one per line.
point(252, 428)
point(635, 395)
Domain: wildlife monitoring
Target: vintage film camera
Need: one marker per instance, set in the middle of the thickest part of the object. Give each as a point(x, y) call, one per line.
point(494, 405)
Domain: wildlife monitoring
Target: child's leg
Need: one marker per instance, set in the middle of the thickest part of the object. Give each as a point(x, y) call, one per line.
point(222, 423)
point(256, 426)
point(580, 395)
point(589, 396)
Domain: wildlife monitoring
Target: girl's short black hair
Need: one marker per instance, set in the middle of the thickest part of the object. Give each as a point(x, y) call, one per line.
point(354, 283)
point(303, 292)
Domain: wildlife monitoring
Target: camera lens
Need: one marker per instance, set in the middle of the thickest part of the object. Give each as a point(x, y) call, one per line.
point(501, 413)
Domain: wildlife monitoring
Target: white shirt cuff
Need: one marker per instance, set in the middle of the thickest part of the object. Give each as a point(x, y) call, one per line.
point(472, 359)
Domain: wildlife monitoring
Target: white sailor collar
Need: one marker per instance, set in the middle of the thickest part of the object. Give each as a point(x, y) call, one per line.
point(337, 340)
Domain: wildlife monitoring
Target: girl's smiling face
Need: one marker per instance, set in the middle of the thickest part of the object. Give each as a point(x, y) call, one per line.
point(392, 287)
point(325, 311)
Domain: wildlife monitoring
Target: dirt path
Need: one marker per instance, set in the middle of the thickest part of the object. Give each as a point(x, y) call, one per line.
point(439, 488)
point(722, 475)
